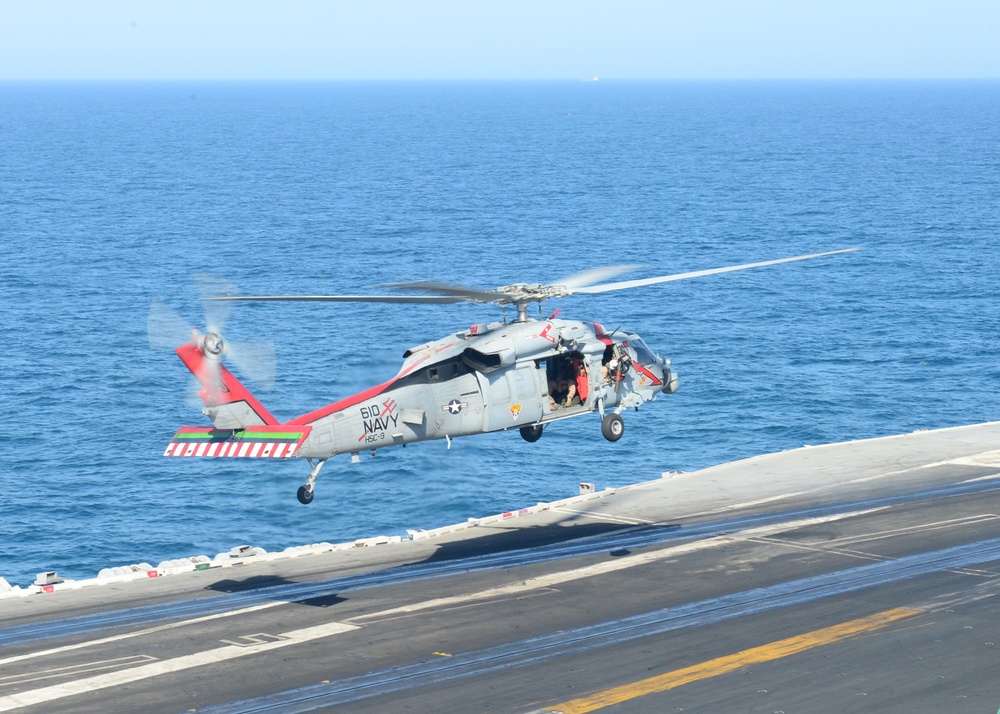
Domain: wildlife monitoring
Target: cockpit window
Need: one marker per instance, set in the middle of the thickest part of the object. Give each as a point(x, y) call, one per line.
point(644, 354)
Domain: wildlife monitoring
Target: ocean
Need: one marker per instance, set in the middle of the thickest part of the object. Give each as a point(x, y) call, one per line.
point(114, 194)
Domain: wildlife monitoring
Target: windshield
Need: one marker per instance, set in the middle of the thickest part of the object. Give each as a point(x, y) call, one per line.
point(642, 351)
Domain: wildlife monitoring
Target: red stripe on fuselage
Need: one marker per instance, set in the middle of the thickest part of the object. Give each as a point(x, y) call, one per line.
point(342, 404)
point(599, 333)
point(355, 399)
point(646, 372)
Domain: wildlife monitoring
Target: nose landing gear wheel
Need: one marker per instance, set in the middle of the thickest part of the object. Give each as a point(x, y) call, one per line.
point(612, 426)
point(531, 433)
point(305, 495)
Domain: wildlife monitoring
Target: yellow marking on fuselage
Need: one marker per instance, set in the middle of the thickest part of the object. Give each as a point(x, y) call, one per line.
point(729, 663)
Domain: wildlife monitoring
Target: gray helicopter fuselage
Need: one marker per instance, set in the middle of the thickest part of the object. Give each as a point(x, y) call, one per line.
point(489, 378)
point(492, 378)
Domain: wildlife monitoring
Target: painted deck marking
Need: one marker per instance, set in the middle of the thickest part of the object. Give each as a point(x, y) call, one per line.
point(140, 633)
point(729, 663)
point(82, 668)
point(167, 666)
point(625, 520)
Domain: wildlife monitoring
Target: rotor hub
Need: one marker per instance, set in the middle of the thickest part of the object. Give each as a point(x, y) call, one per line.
point(213, 345)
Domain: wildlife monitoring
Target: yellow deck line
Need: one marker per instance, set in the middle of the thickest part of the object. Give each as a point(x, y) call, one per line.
point(729, 663)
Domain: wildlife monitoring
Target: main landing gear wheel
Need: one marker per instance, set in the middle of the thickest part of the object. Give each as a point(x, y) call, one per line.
point(305, 494)
point(532, 432)
point(307, 490)
point(612, 426)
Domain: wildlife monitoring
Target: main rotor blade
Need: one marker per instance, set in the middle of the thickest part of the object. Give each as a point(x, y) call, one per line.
point(589, 277)
point(208, 285)
point(626, 284)
point(458, 291)
point(438, 299)
point(165, 329)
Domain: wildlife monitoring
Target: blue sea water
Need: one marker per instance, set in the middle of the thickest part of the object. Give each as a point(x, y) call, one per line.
point(112, 195)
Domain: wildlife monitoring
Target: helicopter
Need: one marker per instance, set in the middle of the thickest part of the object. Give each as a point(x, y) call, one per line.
point(523, 374)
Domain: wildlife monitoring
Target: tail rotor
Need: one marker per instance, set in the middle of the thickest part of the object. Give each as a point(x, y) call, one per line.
point(168, 330)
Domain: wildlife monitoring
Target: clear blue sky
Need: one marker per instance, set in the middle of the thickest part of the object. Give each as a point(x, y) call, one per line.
point(498, 39)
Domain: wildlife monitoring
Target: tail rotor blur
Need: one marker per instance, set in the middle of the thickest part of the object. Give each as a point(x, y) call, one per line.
point(167, 330)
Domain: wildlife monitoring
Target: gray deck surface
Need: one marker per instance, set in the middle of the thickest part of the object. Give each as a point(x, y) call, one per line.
point(852, 577)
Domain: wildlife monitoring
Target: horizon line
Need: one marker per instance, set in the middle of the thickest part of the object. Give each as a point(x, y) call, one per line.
point(582, 80)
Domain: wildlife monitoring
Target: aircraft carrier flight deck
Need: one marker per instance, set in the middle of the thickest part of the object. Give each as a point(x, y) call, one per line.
point(851, 577)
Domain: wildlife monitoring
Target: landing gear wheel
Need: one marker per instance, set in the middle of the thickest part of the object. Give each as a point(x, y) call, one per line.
point(612, 426)
point(532, 432)
point(305, 495)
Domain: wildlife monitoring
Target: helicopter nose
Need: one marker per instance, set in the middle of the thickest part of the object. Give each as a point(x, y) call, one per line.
point(669, 377)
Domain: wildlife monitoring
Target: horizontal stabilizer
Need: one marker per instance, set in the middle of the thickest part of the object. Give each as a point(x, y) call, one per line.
point(255, 442)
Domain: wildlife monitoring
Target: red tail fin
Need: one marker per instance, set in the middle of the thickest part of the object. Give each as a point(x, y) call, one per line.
point(228, 403)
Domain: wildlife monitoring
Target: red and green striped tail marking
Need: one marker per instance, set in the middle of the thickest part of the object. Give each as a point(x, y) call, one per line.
point(255, 442)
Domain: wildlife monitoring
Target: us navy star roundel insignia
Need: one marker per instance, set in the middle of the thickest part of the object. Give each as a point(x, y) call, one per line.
point(454, 406)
